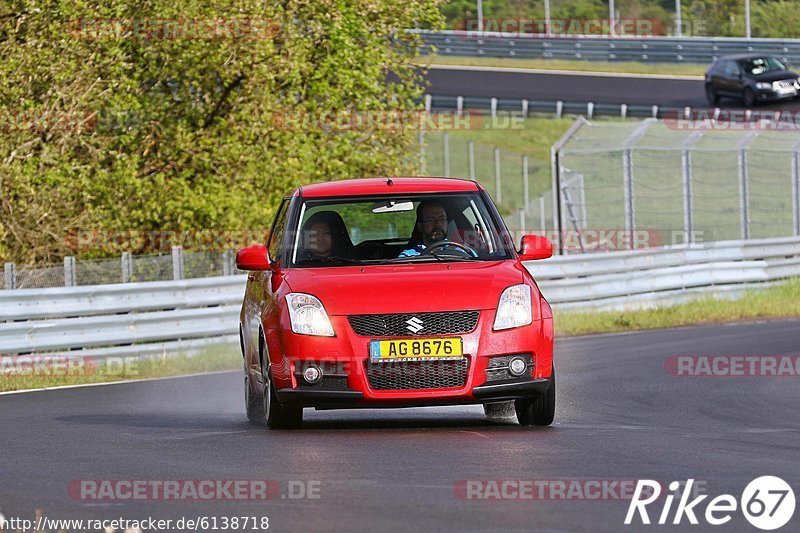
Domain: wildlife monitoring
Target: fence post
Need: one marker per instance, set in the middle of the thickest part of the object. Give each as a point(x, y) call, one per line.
point(796, 191)
point(10, 276)
point(127, 267)
point(471, 158)
point(226, 263)
point(542, 218)
point(422, 152)
point(744, 193)
point(69, 271)
point(177, 262)
point(627, 173)
point(446, 148)
point(498, 193)
point(525, 190)
point(686, 169)
point(521, 225)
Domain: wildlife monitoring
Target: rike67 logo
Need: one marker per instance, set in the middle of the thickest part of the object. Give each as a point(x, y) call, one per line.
point(767, 503)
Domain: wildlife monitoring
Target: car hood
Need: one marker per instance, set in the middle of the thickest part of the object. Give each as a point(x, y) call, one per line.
point(407, 288)
point(776, 76)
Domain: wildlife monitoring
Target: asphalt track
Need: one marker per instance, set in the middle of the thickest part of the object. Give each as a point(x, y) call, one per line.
point(574, 87)
point(620, 416)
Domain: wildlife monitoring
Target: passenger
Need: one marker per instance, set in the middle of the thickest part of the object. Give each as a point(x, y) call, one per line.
point(324, 236)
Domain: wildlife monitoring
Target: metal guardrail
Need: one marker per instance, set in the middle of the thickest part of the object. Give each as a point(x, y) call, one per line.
point(604, 48)
point(146, 319)
point(643, 278)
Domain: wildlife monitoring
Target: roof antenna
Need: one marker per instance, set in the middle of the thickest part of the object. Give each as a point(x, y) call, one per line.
point(389, 182)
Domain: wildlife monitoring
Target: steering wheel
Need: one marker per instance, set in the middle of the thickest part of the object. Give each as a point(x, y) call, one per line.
point(429, 250)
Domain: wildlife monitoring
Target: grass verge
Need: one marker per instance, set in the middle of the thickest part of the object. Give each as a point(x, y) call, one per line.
point(622, 67)
point(780, 301)
point(56, 373)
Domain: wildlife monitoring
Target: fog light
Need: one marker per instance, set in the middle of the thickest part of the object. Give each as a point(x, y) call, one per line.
point(312, 374)
point(517, 366)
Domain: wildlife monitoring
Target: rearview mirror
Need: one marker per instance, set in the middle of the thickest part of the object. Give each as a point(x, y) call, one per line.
point(535, 247)
point(255, 257)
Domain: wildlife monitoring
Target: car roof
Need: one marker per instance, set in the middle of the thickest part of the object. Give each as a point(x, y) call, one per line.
point(393, 185)
point(738, 57)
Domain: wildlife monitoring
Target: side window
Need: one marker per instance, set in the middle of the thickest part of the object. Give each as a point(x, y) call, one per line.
point(278, 229)
point(731, 68)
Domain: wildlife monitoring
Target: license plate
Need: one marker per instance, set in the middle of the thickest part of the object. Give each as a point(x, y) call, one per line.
point(415, 349)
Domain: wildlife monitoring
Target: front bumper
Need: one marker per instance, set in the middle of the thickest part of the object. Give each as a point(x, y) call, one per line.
point(344, 399)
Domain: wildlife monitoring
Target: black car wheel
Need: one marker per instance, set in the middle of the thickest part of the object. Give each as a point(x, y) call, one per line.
point(276, 416)
point(711, 95)
point(749, 97)
point(538, 410)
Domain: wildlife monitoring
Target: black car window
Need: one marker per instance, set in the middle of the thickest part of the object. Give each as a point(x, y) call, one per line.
point(278, 229)
point(761, 65)
point(731, 68)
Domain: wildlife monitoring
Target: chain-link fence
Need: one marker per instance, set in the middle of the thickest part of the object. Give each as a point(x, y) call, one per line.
point(667, 182)
point(178, 264)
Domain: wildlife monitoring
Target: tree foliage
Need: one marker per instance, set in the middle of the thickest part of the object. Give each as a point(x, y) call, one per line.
point(187, 131)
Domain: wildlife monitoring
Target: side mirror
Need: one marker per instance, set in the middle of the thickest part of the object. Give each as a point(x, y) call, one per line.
point(535, 247)
point(255, 257)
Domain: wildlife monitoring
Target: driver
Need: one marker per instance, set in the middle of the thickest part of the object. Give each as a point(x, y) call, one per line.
point(431, 224)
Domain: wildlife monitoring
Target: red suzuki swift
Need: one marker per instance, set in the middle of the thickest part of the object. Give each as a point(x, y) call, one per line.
point(393, 292)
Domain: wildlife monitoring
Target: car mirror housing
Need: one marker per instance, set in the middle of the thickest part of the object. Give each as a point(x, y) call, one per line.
point(535, 247)
point(254, 257)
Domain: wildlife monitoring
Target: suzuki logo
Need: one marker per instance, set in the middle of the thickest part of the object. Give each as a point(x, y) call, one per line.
point(414, 325)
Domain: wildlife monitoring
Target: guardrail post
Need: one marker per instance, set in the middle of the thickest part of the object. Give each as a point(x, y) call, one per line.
point(177, 262)
point(494, 108)
point(589, 110)
point(524, 108)
point(559, 108)
point(459, 105)
point(446, 149)
point(127, 267)
point(428, 101)
point(623, 110)
point(471, 158)
point(498, 193)
point(9, 276)
point(525, 191)
point(655, 111)
point(69, 271)
point(796, 191)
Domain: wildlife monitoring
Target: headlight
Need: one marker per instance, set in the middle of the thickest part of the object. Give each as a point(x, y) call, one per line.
point(307, 315)
point(514, 308)
point(763, 85)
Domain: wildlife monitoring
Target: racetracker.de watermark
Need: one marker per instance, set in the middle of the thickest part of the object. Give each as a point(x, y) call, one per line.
point(565, 27)
point(733, 366)
point(199, 29)
point(545, 489)
point(733, 120)
point(65, 365)
point(192, 489)
point(395, 120)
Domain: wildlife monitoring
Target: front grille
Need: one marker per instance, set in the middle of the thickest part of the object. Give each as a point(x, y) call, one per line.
point(408, 375)
point(404, 325)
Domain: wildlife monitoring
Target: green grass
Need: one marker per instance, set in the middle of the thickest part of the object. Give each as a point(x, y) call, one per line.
point(211, 359)
point(781, 301)
point(626, 67)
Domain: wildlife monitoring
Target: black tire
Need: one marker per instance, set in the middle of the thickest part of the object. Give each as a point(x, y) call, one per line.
point(275, 415)
point(711, 95)
point(749, 97)
point(538, 410)
point(251, 402)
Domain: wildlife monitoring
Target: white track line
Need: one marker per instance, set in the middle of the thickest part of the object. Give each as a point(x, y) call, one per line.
point(78, 386)
point(568, 72)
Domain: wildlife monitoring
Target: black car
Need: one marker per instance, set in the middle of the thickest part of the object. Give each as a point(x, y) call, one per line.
point(752, 78)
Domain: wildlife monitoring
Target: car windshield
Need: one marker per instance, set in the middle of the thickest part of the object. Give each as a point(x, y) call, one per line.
point(760, 65)
point(402, 229)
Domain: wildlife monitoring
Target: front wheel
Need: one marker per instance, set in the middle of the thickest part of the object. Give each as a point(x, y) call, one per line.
point(538, 410)
point(277, 416)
